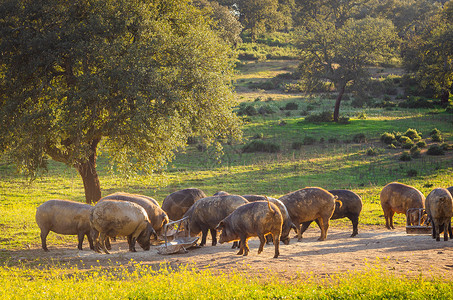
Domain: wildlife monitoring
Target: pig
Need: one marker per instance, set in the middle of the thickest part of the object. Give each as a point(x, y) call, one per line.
point(111, 218)
point(157, 216)
point(64, 217)
point(287, 223)
point(439, 206)
point(252, 219)
point(398, 198)
point(349, 207)
point(176, 204)
point(205, 214)
point(450, 189)
point(309, 204)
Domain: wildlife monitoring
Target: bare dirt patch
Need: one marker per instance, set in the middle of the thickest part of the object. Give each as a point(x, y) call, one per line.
point(400, 253)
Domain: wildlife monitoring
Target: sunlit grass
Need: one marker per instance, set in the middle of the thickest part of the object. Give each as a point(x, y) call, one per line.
point(136, 281)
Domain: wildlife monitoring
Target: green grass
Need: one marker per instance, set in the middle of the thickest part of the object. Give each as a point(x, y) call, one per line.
point(136, 281)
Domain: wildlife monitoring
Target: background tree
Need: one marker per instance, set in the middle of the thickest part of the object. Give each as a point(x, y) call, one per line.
point(341, 55)
point(260, 16)
point(138, 76)
point(428, 54)
point(224, 20)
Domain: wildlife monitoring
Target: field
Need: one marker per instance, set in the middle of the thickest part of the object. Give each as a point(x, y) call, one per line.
point(376, 264)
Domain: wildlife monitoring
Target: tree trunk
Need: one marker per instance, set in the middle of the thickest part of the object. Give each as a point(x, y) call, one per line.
point(87, 171)
point(336, 111)
point(444, 97)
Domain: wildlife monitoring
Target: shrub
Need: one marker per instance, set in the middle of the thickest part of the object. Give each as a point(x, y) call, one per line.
point(332, 140)
point(192, 140)
point(421, 144)
point(406, 142)
point(411, 173)
point(371, 152)
point(449, 109)
point(417, 102)
point(405, 156)
point(267, 109)
point(359, 138)
point(296, 145)
point(343, 120)
point(413, 134)
point(445, 146)
point(258, 136)
point(415, 151)
point(248, 110)
point(435, 150)
point(437, 138)
point(291, 106)
point(324, 116)
point(387, 138)
point(261, 146)
point(434, 132)
point(309, 140)
point(361, 116)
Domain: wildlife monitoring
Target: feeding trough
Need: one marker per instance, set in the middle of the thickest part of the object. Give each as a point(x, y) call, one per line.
point(422, 227)
point(176, 239)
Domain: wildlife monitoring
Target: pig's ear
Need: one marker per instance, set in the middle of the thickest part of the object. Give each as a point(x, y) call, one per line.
point(220, 226)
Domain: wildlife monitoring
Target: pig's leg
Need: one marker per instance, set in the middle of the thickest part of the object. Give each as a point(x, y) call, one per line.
point(214, 236)
point(44, 234)
point(80, 237)
point(276, 239)
point(262, 242)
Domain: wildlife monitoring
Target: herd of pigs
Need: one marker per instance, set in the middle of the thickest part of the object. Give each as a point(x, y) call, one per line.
point(141, 219)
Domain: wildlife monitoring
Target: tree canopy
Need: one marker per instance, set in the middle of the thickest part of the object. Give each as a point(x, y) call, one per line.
point(341, 55)
point(139, 77)
point(429, 53)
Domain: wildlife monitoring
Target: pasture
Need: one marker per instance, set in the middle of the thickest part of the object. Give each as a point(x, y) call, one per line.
point(376, 264)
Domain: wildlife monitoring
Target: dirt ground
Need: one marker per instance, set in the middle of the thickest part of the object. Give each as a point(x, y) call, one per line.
point(393, 250)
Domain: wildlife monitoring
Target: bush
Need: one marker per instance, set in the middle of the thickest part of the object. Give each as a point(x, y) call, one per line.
point(291, 106)
point(359, 138)
point(421, 144)
point(434, 132)
point(361, 116)
point(415, 151)
point(405, 156)
point(324, 116)
point(417, 102)
point(267, 109)
point(446, 146)
point(387, 138)
point(406, 142)
point(435, 150)
point(309, 140)
point(247, 110)
point(412, 173)
point(413, 134)
point(449, 109)
point(371, 152)
point(332, 140)
point(437, 138)
point(258, 136)
point(296, 145)
point(343, 120)
point(261, 146)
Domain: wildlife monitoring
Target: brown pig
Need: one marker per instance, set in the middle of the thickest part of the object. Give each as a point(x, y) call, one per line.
point(157, 216)
point(252, 219)
point(205, 214)
point(398, 198)
point(308, 204)
point(287, 223)
point(111, 218)
point(176, 204)
point(64, 217)
point(349, 207)
point(439, 206)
